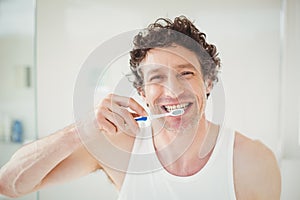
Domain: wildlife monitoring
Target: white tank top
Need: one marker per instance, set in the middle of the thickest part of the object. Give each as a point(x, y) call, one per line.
point(213, 181)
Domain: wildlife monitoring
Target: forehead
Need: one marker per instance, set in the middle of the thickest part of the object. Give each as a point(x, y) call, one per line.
point(172, 57)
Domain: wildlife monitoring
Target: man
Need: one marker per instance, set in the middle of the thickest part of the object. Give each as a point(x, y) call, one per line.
point(183, 156)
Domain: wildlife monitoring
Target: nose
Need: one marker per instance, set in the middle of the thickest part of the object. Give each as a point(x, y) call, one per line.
point(174, 87)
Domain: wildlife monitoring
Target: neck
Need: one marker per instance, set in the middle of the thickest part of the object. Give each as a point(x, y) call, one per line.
point(185, 153)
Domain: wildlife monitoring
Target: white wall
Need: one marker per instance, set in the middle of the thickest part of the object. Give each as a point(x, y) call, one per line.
point(17, 52)
point(246, 33)
point(17, 101)
point(290, 101)
point(290, 81)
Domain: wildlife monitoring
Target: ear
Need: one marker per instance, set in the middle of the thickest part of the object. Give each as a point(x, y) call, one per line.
point(142, 93)
point(208, 86)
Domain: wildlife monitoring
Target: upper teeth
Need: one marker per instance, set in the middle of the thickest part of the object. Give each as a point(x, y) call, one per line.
point(178, 106)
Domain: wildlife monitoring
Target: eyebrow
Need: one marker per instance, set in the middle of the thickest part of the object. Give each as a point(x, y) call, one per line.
point(188, 65)
point(154, 70)
point(179, 66)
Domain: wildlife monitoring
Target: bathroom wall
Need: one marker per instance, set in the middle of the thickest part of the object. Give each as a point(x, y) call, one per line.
point(247, 34)
point(17, 54)
point(290, 101)
point(290, 80)
point(17, 83)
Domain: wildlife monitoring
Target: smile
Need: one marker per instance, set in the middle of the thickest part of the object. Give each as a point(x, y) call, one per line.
point(170, 108)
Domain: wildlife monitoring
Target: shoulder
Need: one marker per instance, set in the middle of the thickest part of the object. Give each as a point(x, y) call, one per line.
point(256, 172)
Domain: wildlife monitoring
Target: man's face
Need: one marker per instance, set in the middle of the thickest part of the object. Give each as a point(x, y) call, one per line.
point(172, 80)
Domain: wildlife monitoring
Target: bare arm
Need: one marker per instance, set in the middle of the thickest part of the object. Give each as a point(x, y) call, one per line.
point(46, 162)
point(61, 156)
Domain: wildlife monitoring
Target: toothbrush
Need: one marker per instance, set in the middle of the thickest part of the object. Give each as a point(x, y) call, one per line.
point(173, 113)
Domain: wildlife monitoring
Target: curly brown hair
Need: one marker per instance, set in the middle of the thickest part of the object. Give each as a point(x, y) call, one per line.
point(164, 33)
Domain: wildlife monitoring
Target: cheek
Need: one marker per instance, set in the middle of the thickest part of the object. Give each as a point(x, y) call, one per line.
point(198, 87)
point(199, 91)
point(152, 92)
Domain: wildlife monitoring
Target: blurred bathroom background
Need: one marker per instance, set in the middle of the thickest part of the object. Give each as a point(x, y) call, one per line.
point(43, 44)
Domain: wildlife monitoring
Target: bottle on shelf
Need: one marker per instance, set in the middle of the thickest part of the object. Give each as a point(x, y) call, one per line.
point(17, 131)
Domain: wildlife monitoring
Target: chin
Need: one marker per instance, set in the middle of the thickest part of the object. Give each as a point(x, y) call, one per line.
point(185, 124)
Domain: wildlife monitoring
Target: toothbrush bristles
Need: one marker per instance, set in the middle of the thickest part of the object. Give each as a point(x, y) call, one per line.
point(177, 112)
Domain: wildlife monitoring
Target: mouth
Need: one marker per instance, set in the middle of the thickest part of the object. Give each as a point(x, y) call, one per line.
point(170, 108)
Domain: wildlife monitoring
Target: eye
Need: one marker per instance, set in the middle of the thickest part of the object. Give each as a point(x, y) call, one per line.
point(186, 74)
point(156, 78)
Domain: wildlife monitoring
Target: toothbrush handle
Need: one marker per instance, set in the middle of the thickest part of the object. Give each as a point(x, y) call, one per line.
point(160, 115)
point(141, 119)
point(144, 118)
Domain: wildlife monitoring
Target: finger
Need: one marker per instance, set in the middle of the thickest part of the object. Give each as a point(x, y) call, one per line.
point(107, 126)
point(125, 115)
point(116, 104)
point(134, 115)
point(104, 122)
point(117, 120)
point(128, 102)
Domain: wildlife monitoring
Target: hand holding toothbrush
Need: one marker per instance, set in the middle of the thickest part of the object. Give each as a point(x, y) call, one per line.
point(174, 113)
point(113, 116)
